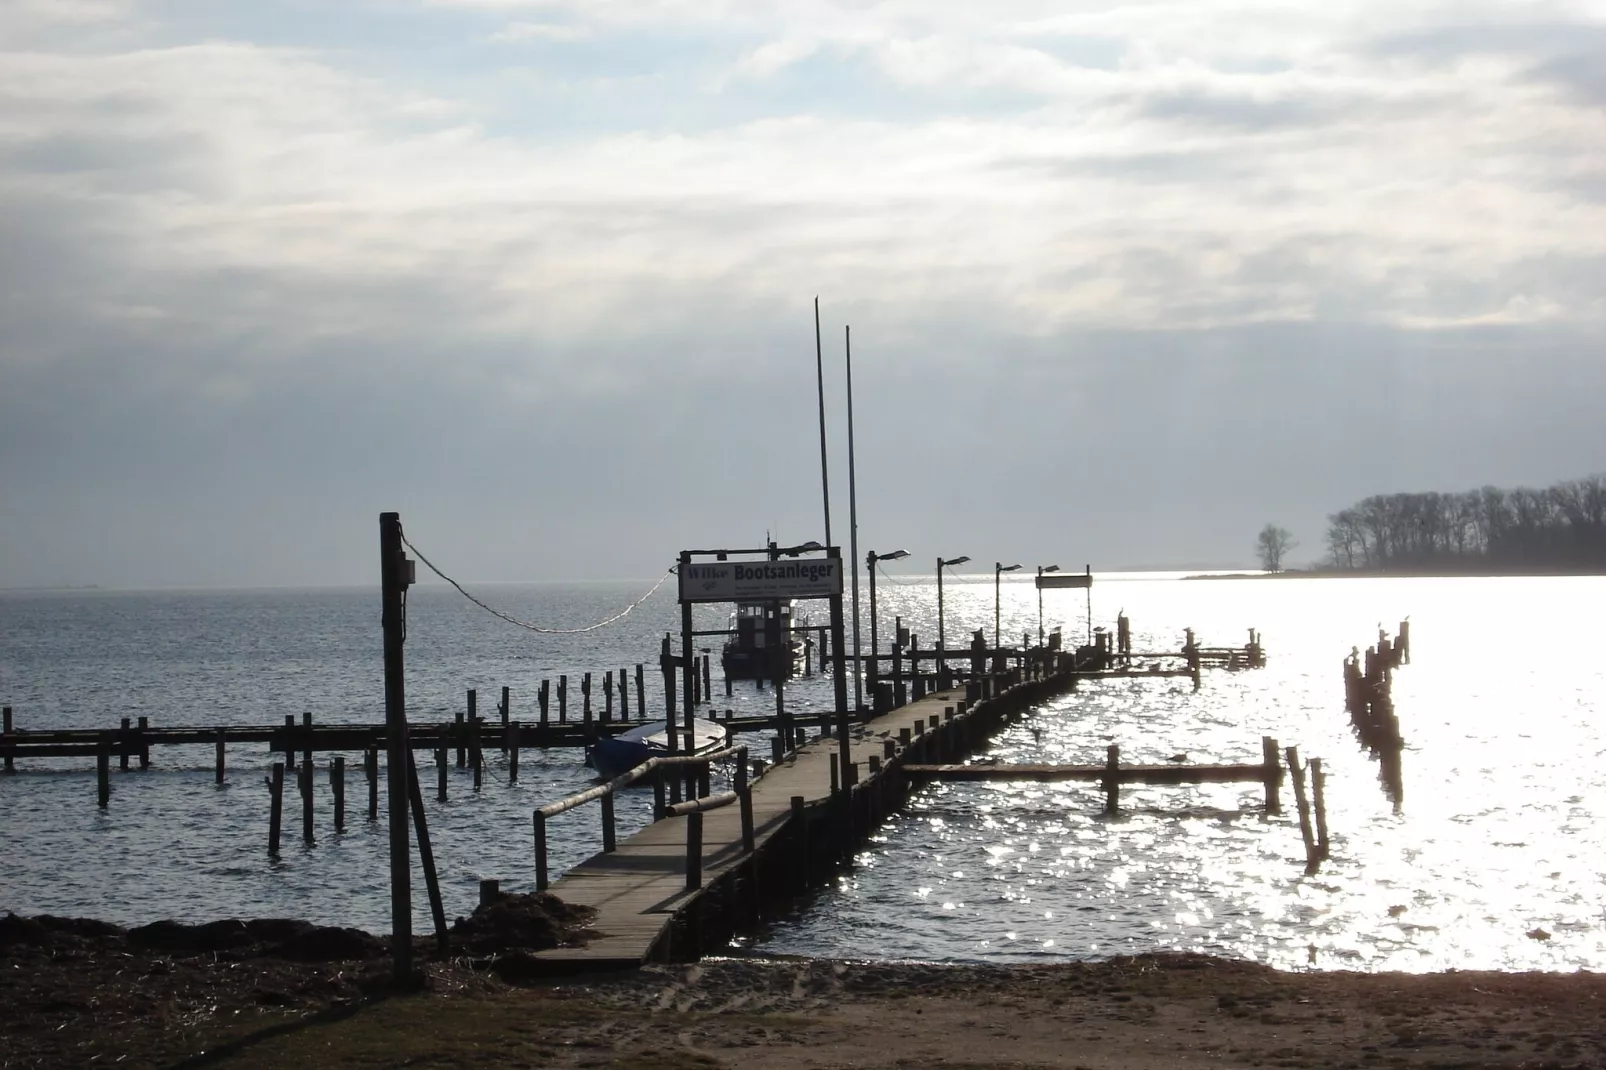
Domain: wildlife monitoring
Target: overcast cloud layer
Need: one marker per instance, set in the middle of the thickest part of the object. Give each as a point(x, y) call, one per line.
point(1125, 282)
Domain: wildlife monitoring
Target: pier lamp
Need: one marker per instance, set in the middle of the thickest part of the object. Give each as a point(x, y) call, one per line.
point(1040, 570)
point(998, 574)
point(870, 560)
point(942, 648)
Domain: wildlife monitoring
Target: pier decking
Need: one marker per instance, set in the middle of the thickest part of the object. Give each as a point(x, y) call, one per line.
point(638, 889)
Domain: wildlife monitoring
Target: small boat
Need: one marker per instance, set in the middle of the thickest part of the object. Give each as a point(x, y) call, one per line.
point(762, 645)
point(613, 756)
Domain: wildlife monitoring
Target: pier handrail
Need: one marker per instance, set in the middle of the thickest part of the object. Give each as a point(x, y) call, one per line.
point(702, 805)
point(624, 780)
point(654, 767)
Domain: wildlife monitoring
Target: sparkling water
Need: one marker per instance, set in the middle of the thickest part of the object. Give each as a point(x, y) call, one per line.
point(1491, 862)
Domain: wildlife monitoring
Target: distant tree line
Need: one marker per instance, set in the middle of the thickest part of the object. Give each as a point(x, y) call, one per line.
point(1561, 528)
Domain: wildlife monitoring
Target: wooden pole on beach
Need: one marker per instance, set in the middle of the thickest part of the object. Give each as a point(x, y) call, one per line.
point(394, 577)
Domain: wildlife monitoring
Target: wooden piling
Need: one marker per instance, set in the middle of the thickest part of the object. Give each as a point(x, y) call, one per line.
point(607, 696)
point(744, 800)
point(275, 808)
point(124, 742)
point(1273, 774)
point(1297, 774)
point(337, 784)
point(1112, 780)
point(144, 743)
point(513, 753)
point(290, 742)
point(506, 715)
point(708, 676)
point(641, 692)
point(540, 852)
point(694, 850)
point(371, 767)
point(459, 739)
point(585, 698)
point(103, 770)
point(801, 824)
point(543, 697)
point(476, 752)
point(563, 698)
point(221, 747)
point(307, 832)
point(440, 772)
point(1318, 798)
point(306, 726)
point(6, 728)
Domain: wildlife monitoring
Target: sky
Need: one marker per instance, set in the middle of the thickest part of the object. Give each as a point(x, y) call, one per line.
point(1125, 282)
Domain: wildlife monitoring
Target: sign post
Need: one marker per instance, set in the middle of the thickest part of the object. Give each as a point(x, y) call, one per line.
point(778, 573)
point(1084, 580)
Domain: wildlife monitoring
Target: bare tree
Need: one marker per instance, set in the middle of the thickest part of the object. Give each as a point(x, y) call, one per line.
point(1272, 544)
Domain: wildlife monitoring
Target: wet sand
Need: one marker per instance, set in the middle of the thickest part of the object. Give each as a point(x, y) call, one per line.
point(284, 994)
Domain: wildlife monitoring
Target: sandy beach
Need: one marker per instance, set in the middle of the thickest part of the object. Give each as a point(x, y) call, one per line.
point(282, 994)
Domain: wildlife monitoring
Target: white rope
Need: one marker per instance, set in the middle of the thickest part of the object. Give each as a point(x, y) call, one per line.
point(497, 613)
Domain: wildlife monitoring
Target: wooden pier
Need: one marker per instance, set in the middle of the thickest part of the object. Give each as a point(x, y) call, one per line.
point(687, 881)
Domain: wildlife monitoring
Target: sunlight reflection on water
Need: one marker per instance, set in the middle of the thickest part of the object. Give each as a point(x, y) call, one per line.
point(1495, 839)
point(1492, 862)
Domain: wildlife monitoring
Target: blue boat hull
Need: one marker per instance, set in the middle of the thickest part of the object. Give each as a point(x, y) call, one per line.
point(613, 756)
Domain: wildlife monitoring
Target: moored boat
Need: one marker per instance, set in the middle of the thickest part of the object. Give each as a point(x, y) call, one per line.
point(762, 645)
point(613, 756)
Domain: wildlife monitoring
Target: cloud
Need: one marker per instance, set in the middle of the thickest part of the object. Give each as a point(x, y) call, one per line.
point(305, 260)
point(515, 32)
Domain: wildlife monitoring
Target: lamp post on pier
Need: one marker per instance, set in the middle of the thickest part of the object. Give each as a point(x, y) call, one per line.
point(998, 573)
point(942, 648)
point(1040, 570)
point(870, 560)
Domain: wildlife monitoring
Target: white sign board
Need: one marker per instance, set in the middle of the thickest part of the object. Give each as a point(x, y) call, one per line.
point(743, 581)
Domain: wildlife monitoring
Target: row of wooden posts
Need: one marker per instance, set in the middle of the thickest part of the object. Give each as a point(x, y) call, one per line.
point(945, 737)
point(1369, 700)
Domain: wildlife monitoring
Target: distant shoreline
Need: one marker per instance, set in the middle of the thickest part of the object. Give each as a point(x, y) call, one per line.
point(1394, 573)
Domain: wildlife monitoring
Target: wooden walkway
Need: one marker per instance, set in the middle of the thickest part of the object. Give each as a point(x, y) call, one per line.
point(638, 888)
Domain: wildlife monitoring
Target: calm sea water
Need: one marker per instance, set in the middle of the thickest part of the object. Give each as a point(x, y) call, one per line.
point(1493, 861)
